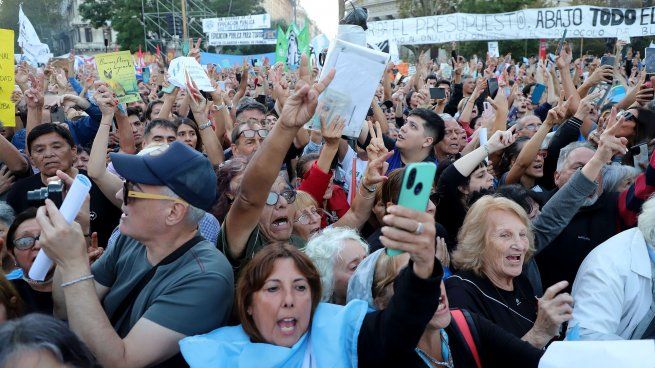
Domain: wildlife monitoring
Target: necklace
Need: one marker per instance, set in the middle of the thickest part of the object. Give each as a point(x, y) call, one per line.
point(445, 352)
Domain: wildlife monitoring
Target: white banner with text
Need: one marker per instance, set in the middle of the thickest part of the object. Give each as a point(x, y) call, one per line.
point(581, 22)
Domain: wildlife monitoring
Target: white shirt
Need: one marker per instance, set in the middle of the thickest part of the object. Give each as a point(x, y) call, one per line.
point(613, 291)
point(347, 166)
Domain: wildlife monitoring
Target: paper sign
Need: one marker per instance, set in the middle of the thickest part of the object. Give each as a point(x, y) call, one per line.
point(358, 73)
point(599, 354)
point(492, 47)
point(246, 37)
point(7, 111)
point(184, 64)
point(117, 70)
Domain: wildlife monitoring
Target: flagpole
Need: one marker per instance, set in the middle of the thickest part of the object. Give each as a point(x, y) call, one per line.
point(185, 31)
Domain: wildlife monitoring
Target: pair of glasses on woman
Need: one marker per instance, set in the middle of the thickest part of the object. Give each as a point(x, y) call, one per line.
point(25, 243)
point(129, 193)
point(288, 194)
point(306, 216)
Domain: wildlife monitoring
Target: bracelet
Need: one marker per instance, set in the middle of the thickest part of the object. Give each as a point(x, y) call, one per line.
point(364, 194)
point(369, 189)
point(75, 281)
point(220, 107)
point(205, 125)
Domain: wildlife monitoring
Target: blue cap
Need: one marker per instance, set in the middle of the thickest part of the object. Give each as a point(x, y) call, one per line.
point(187, 172)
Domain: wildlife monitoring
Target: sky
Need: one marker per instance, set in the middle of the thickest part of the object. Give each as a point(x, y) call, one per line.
point(324, 14)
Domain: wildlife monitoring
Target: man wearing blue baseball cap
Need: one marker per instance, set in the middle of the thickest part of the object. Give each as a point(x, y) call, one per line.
point(160, 281)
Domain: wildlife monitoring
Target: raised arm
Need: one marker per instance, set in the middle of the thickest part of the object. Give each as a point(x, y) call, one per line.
point(261, 172)
point(11, 156)
point(531, 148)
point(563, 62)
point(198, 105)
point(108, 183)
point(167, 106)
point(498, 141)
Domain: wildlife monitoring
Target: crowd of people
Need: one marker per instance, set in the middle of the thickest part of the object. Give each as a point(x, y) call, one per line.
point(221, 232)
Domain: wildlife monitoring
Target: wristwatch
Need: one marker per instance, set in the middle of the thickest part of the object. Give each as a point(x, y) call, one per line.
point(205, 125)
point(219, 107)
point(369, 189)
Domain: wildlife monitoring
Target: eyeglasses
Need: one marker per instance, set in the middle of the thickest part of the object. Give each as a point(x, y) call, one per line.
point(250, 133)
point(274, 198)
point(306, 216)
point(25, 243)
point(628, 116)
point(127, 193)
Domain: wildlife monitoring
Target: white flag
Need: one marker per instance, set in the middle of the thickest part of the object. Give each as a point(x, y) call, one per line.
point(35, 51)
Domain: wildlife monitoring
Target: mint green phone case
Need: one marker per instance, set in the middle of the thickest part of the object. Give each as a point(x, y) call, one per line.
point(415, 191)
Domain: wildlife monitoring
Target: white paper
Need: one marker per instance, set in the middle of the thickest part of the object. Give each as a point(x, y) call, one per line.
point(599, 354)
point(176, 73)
point(492, 47)
point(358, 73)
point(69, 209)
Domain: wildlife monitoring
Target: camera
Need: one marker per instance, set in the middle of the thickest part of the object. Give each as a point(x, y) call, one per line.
point(53, 191)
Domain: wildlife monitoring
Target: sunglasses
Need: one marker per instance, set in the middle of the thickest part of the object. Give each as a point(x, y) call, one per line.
point(25, 243)
point(628, 116)
point(128, 193)
point(250, 133)
point(274, 198)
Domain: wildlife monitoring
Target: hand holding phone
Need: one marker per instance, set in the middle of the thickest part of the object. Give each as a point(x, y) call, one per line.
point(415, 190)
point(437, 93)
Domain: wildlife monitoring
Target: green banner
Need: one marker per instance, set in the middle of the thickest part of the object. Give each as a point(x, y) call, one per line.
point(291, 45)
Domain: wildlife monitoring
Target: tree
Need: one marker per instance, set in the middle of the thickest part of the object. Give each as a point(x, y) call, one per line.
point(125, 16)
point(52, 30)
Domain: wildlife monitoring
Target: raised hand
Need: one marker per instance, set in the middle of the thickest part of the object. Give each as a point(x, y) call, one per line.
point(608, 143)
point(6, 179)
point(332, 132)
point(563, 60)
point(376, 147)
point(400, 233)
point(197, 102)
point(301, 105)
point(194, 50)
point(34, 94)
point(555, 308)
point(500, 140)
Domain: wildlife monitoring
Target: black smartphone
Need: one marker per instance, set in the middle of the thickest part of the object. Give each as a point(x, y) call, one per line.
point(607, 60)
point(492, 87)
point(454, 54)
point(561, 43)
point(437, 93)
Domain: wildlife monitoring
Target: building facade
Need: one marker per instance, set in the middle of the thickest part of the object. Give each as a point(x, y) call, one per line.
point(378, 9)
point(83, 37)
point(284, 10)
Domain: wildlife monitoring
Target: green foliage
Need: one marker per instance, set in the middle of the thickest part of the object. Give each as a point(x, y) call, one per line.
point(48, 28)
point(125, 16)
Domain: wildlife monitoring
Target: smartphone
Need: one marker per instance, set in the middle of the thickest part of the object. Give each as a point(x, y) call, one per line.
point(168, 89)
point(640, 156)
point(437, 93)
point(649, 60)
point(537, 92)
point(561, 43)
point(454, 55)
point(57, 114)
point(416, 187)
point(492, 87)
point(607, 60)
point(145, 74)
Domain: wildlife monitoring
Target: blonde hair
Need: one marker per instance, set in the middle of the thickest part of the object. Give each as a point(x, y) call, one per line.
point(472, 237)
point(304, 200)
point(386, 270)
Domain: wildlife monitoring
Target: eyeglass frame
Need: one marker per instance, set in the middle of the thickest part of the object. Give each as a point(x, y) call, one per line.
point(127, 193)
point(305, 214)
point(34, 239)
point(255, 131)
point(290, 200)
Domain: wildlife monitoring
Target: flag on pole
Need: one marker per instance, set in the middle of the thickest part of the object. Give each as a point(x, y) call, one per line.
point(35, 52)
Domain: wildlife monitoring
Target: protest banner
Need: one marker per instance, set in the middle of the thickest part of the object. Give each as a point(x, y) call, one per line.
point(7, 111)
point(256, 21)
point(248, 37)
point(182, 66)
point(580, 21)
point(228, 61)
point(291, 45)
point(117, 70)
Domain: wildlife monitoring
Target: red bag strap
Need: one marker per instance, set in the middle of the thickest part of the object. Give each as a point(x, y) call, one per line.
point(460, 321)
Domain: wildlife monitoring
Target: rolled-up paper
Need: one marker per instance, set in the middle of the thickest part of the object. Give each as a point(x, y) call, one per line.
point(69, 209)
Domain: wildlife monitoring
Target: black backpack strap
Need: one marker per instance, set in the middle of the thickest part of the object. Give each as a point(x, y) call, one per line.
point(125, 307)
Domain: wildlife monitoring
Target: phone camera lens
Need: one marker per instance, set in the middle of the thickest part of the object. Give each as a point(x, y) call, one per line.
point(411, 178)
point(418, 188)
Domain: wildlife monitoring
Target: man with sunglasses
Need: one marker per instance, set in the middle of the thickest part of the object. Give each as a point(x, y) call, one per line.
point(161, 280)
point(247, 137)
